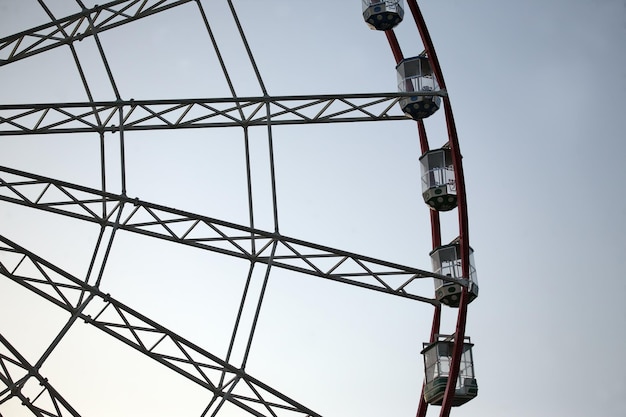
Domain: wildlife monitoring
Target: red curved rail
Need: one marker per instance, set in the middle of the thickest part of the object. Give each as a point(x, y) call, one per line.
point(434, 215)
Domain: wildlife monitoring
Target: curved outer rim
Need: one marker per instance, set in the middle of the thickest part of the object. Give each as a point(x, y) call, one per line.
point(434, 215)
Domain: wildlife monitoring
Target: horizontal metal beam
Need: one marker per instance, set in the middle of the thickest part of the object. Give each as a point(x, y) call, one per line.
point(211, 234)
point(105, 116)
point(77, 27)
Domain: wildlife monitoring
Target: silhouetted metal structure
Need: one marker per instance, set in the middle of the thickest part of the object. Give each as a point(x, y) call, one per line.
point(83, 300)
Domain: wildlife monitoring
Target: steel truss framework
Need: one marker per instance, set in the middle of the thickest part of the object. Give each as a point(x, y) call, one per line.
point(227, 382)
point(134, 115)
point(203, 232)
point(16, 374)
point(82, 298)
point(66, 30)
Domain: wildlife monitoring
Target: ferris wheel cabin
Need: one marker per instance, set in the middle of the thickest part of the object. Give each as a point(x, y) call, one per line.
point(446, 260)
point(383, 14)
point(437, 362)
point(416, 75)
point(438, 183)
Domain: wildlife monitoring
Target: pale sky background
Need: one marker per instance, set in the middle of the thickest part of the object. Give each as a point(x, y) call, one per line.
point(538, 91)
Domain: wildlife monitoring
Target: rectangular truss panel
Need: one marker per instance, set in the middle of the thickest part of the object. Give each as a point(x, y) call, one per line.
point(29, 119)
point(19, 379)
point(78, 26)
point(157, 342)
point(216, 235)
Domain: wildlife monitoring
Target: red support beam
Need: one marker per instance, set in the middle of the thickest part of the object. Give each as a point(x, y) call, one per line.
point(461, 208)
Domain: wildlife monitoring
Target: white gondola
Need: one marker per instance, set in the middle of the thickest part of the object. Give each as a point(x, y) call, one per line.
point(416, 75)
point(438, 183)
point(437, 361)
point(446, 260)
point(383, 14)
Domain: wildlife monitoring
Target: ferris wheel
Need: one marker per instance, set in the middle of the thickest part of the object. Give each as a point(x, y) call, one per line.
point(95, 212)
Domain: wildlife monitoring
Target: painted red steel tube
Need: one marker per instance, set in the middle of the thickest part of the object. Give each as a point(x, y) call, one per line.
point(461, 207)
point(435, 225)
point(434, 215)
point(395, 46)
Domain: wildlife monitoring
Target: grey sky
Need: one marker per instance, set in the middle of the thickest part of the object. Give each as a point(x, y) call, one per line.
point(538, 93)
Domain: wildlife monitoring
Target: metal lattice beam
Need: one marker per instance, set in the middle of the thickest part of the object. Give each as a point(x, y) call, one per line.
point(148, 337)
point(77, 27)
point(211, 234)
point(25, 119)
point(19, 376)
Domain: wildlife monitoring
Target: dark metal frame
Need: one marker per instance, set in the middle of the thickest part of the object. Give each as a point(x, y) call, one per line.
point(113, 213)
point(28, 119)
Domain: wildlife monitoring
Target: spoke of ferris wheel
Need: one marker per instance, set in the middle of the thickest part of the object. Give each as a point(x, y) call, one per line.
point(20, 119)
point(146, 336)
point(19, 376)
point(211, 234)
point(50, 35)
